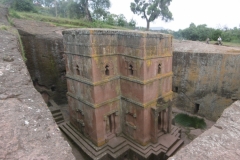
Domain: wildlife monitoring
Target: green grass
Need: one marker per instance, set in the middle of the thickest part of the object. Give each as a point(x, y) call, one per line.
point(231, 44)
point(3, 27)
point(63, 22)
point(21, 47)
point(190, 121)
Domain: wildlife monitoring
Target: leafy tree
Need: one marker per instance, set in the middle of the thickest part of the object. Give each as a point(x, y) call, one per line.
point(191, 32)
point(121, 20)
point(23, 5)
point(132, 23)
point(111, 19)
point(200, 32)
point(216, 34)
point(178, 34)
point(152, 9)
point(99, 8)
point(73, 10)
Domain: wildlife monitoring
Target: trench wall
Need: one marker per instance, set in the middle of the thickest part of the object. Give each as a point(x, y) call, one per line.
point(206, 83)
point(45, 58)
point(28, 130)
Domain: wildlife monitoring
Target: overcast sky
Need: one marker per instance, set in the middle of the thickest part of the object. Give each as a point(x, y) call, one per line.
point(214, 13)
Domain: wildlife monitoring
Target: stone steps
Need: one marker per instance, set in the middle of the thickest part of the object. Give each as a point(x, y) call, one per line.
point(56, 112)
point(119, 145)
point(175, 147)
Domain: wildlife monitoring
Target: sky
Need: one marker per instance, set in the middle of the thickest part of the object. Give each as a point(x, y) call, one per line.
point(213, 13)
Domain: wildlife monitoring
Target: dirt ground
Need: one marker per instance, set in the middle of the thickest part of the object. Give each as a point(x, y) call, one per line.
point(202, 47)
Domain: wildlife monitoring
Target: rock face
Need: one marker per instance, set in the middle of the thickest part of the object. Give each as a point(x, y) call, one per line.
point(222, 141)
point(28, 130)
point(206, 77)
point(45, 61)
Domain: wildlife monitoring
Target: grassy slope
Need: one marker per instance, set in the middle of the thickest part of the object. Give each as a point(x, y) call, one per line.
point(64, 22)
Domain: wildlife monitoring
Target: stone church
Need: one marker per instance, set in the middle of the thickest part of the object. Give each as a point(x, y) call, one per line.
point(119, 93)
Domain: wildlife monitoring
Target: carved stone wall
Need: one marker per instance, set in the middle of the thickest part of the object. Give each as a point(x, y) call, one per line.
point(206, 79)
point(44, 51)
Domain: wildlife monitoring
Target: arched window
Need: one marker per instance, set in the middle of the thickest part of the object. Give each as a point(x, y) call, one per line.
point(107, 70)
point(159, 68)
point(78, 71)
point(130, 69)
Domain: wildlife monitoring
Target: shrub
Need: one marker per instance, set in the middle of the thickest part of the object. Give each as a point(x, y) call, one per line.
point(14, 14)
point(190, 121)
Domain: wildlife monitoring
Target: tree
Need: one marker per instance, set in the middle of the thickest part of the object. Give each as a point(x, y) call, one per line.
point(95, 5)
point(132, 23)
point(152, 9)
point(23, 5)
point(111, 19)
point(73, 10)
point(99, 8)
point(121, 20)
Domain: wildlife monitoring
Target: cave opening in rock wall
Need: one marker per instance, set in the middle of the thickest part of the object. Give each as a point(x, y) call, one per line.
point(196, 109)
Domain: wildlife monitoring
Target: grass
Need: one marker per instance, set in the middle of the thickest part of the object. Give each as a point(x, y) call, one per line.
point(231, 44)
point(3, 27)
point(63, 22)
point(190, 121)
point(21, 47)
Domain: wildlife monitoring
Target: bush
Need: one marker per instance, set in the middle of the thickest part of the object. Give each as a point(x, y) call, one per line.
point(190, 121)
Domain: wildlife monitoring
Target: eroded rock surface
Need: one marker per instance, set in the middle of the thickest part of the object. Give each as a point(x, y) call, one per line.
point(220, 142)
point(27, 129)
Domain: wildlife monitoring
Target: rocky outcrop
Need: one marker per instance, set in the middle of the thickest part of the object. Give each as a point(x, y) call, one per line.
point(28, 130)
point(220, 142)
point(43, 47)
point(206, 77)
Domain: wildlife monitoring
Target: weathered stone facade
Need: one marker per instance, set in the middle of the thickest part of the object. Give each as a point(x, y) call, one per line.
point(119, 82)
point(205, 78)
